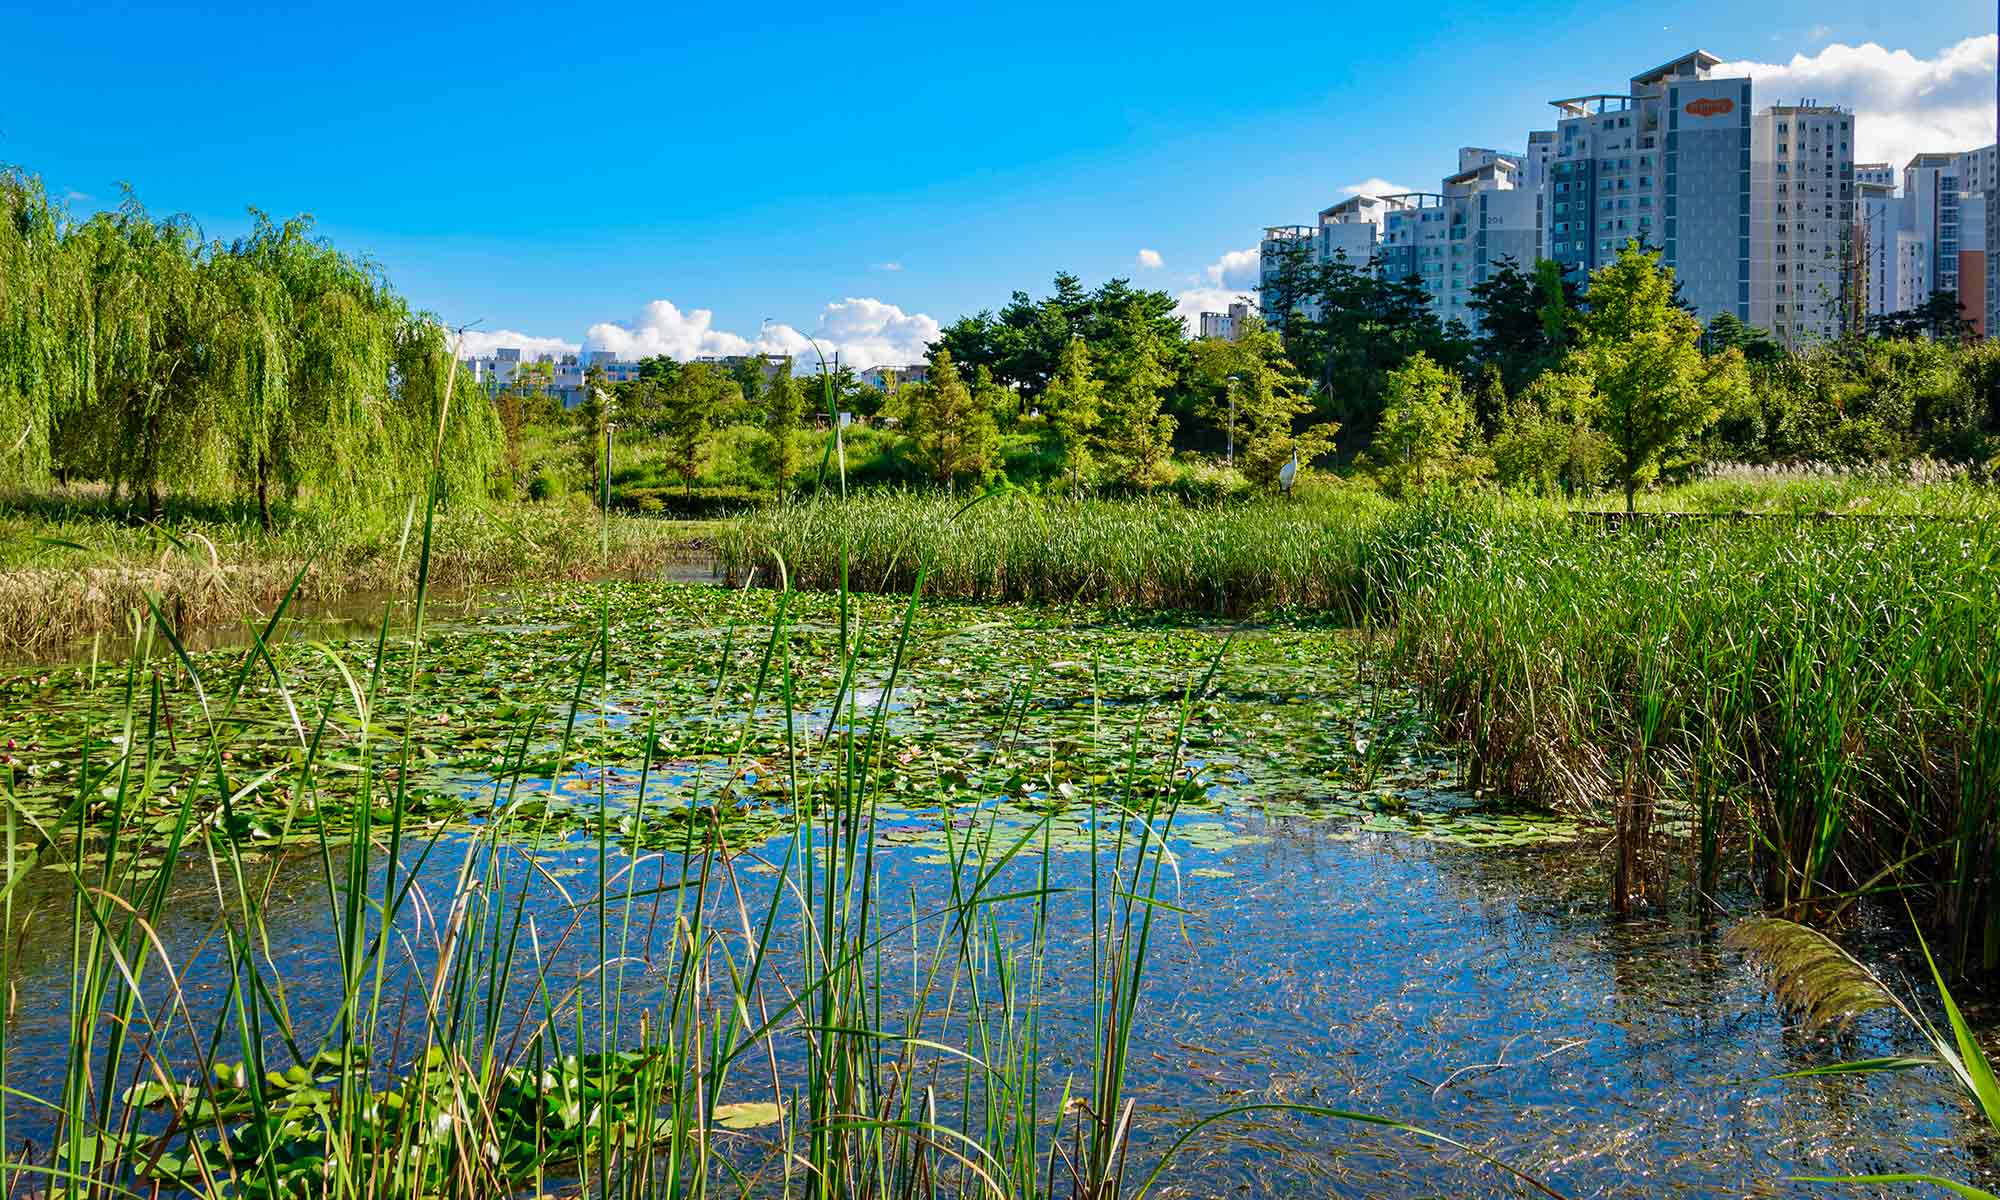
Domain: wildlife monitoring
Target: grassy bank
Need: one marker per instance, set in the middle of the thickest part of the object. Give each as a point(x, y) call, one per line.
point(70, 567)
point(1823, 695)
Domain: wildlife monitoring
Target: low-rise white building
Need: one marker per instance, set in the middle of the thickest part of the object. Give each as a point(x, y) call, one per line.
point(887, 378)
point(1224, 326)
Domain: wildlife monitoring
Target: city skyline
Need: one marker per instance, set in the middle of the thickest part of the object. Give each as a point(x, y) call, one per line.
point(870, 240)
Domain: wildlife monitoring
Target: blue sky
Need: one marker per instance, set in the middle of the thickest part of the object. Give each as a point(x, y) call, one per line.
point(625, 170)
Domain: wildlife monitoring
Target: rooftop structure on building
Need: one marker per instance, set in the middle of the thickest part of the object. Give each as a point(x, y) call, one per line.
point(1666, 164)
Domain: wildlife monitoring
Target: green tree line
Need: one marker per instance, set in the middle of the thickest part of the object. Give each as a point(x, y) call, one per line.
point(1533, 396)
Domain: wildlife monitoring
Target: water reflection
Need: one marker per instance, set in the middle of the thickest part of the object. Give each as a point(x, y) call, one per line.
point(1479, 992)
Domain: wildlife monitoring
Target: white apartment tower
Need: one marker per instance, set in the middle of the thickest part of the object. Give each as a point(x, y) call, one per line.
point(1803, 259)
point(1892, 258)
point(1352, 229)
point(1459, 236)
point(1451, 239)
point(1666, 163)
point(1931, 188)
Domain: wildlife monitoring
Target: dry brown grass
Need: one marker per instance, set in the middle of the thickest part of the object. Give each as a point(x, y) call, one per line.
point(207, 575)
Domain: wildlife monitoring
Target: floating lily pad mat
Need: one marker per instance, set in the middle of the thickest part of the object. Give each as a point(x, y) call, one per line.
point(665, 708)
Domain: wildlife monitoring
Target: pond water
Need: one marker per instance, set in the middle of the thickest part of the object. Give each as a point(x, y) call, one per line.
point(1352, 929)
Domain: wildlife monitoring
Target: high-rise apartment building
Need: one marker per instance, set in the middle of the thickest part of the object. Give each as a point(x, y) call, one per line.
point(1949, 208)
point(1930, 185)
point(1804, 261)
point(1993, 233)
point(1891, 257)
point(1492, 221)
point(1973, 252)
point(1416, 241)
point(1450, 239)
point(1979, 184)
point(1666, 164)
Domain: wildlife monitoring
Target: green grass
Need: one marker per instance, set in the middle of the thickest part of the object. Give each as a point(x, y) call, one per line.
point(1150, 553)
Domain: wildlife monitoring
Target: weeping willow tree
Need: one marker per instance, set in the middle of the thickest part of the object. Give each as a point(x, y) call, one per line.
point(151, 420)
point(133, 353)
point(311, 337)
point(43, 371)
point(465, 429)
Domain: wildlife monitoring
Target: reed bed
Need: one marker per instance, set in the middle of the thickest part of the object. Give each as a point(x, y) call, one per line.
point(1829, 692)
point(1817, 697)
point(1229, 559)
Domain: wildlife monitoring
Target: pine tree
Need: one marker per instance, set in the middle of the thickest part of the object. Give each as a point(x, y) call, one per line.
point(1074, 400)
point(686, 419)
point(952, 435)
point(1138, 437)
point(783, 403)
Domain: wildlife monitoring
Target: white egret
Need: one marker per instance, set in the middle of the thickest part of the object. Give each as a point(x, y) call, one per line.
point(1288, 473)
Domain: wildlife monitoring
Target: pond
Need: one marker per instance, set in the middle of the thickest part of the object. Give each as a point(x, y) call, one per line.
point(1348, 926)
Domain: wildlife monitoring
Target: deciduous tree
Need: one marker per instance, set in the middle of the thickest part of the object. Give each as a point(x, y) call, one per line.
point(1639, 349)
point(1428, 431)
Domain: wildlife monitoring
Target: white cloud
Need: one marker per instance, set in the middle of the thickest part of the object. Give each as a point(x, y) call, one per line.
point(865, 332)
point(889, 266)
point(1903, 105)
point(1819, 34)
point(1236, 269)
point(662, 328)
point(1375, 185)
point(479, 342)
point(1151, 259)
